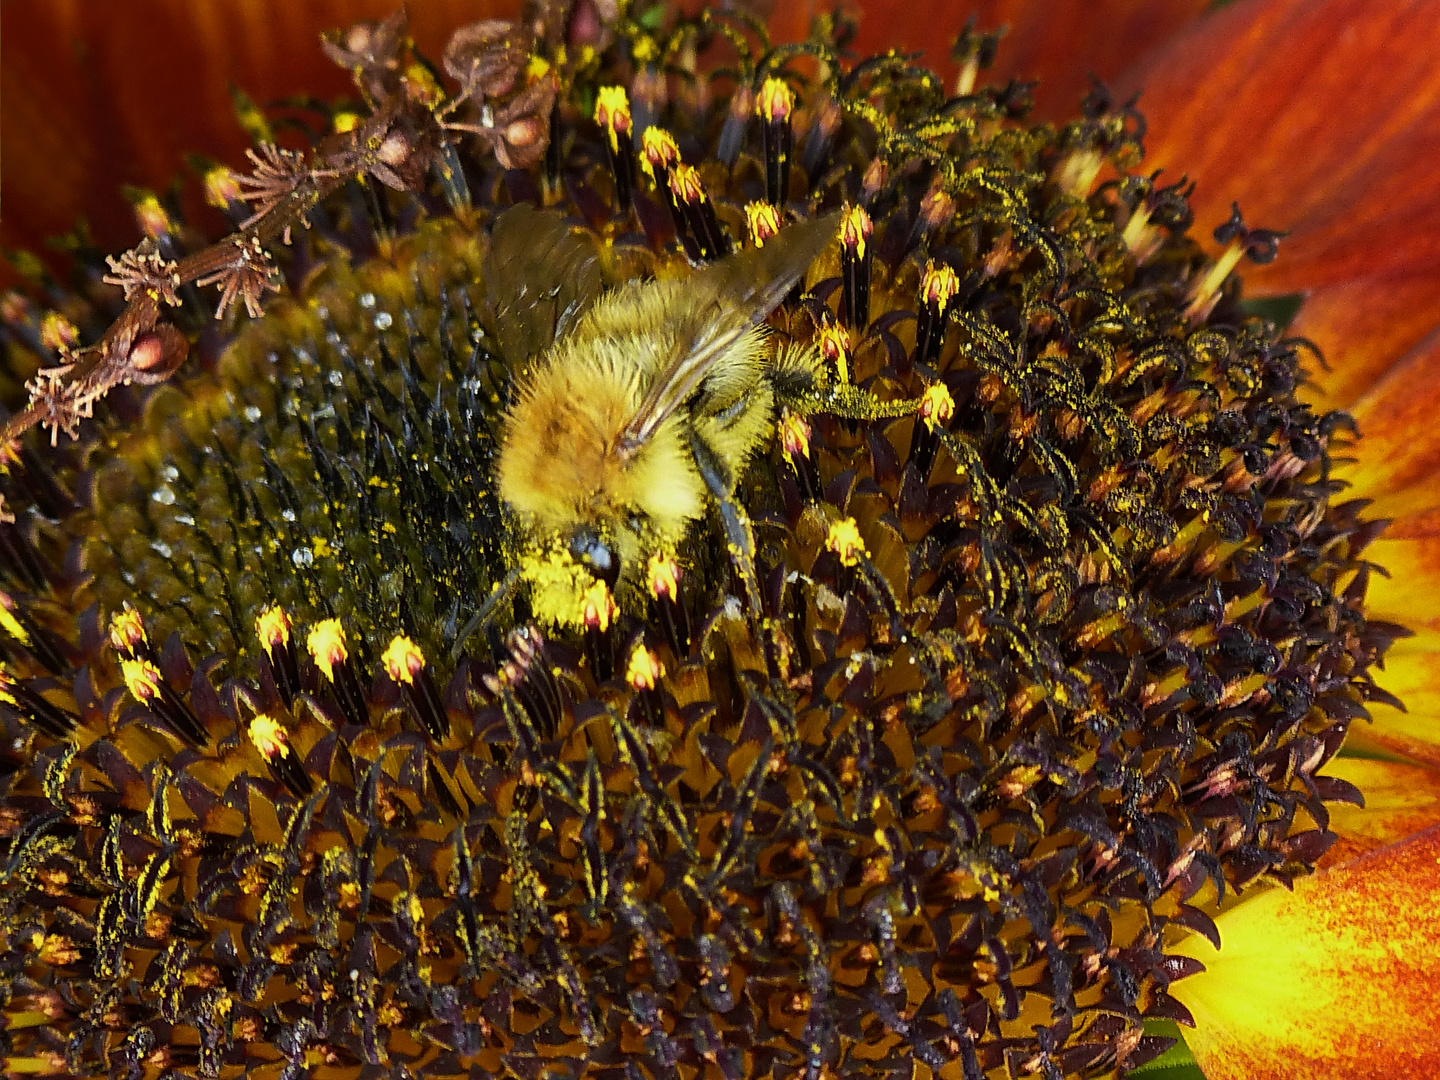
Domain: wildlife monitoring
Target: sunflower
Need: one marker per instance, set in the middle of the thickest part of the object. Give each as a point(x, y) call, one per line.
point(1062, 661)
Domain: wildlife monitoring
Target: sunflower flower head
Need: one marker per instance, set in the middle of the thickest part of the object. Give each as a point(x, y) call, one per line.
point(1016, 649)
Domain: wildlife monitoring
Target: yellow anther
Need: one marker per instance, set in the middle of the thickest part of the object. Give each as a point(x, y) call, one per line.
point(272, 627)
point(763, 221)
point(686, 185)
point(152, 218)
point(599, 608)
point(845, 541)
point(664, 576)
point(142, 679)
point(403, 660)
point(939, 285)
point(834, 345)
point(645, 669)
point(776, 100)
point(127, 630)
point(345, 121)
point(612, 112)
point(268, 736)
point(57, 332)
point(658, 150)
point(327, 646)
point(794, 436)
point(855, 229)
point(936, 406)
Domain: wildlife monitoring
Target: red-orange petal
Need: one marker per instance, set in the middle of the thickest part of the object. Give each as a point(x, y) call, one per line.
point(1321, 117)
point(1059, 44)
point(1335, 981)
point(1401, 800)
point(95, 94)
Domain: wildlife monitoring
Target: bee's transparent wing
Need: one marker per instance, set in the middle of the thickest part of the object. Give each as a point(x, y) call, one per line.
point(729, 298)
point(540, 277)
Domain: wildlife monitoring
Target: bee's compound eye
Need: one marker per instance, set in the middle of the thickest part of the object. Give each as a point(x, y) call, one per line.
point(587, 547)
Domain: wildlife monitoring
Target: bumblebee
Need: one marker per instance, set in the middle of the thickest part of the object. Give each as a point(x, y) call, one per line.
point(634, 409)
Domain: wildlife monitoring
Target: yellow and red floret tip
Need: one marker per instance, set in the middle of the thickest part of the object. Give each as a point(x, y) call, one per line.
point(272, 627)
point(153, 219)
point(663, 576)
point(127, 630)
point(645, 670)
point(221, 187)
point(833, 341)
point(845, 541)
point(327, 646)
point(268, 736)
point(855, 230)
point(57, 333)
point(686, 185)
point(936, 406)
point(403, 660)
point(658, 150)
point(598, 607)
point(794, 436)
point(142, 679)
point(762, 220)
point(9, 622)
point(776, 101)
point(612, 112)
point(939, 285)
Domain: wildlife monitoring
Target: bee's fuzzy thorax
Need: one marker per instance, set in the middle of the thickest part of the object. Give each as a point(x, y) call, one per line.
point(569, 468)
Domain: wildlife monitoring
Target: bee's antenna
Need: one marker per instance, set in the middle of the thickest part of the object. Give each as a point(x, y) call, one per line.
point(487, 610)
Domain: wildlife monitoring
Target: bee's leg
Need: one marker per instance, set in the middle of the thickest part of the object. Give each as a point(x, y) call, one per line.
point(721, 482)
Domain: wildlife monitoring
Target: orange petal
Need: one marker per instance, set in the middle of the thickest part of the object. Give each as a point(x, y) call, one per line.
point(1335, 980)
point(1399, 456)
point(95, 94)
point(1412, 675)
point(1059, 44)
point(1321, 117)
point(1400, 800)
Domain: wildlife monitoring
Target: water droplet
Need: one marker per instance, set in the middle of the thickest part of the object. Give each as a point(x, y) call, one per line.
point(367, 299)
point(184, 519)
point(337, 378)
point(164, 495)
point(302, 556)
point(383, 321)
point(171, 473)
point(288, 514)
point(161, 548)
point(253, 413)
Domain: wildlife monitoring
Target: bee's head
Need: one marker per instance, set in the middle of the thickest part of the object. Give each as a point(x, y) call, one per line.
point(592, 552)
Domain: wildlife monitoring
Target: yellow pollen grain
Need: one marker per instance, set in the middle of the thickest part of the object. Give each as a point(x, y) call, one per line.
point(327, 646)
point(272, 627)
point(645, 670)
point(403, 660)
point(346, 121)
point(142, 679)
point(845, 541)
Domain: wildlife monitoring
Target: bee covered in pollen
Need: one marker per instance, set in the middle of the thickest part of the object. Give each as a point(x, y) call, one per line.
point(644, 407)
